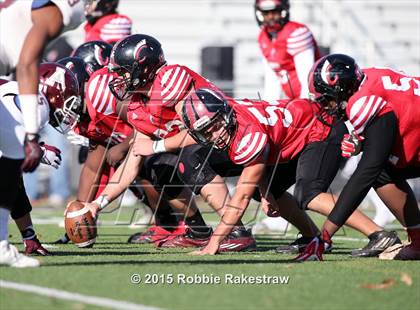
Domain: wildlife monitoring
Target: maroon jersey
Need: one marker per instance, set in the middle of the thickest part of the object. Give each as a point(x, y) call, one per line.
point(384, 90)
point(109, 28)
point(279, 52)
point(156, 116)
point(274, 132)
point(105, 125)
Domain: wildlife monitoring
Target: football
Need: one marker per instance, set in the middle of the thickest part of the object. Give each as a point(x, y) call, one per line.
point(80, 225)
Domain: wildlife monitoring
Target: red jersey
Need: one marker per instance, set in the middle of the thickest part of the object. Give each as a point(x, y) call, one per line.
point(383, 90)
point(156, 116)
point(279, 52)
point(105, 126)
point(274, 132)
point(109, 28)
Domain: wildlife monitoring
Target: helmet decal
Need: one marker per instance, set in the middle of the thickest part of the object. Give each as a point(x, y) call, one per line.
point(98, 56)
point(326, 74)
point(58, 77)
point(137, 50)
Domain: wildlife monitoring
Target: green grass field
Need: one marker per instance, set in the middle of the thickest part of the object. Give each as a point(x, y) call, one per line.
point(105, 271)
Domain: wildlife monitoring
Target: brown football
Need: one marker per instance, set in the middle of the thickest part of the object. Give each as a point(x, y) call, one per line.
point(80, 225)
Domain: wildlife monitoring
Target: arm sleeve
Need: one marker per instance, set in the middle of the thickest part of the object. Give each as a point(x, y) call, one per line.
point(272, 88)
point(303, 64)
point(380, 137)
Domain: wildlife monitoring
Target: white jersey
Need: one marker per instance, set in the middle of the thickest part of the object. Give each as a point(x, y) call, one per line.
point(12, 131)
point(15, 23)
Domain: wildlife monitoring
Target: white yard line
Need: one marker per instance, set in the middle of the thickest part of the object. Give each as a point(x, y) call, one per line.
point(86, 299)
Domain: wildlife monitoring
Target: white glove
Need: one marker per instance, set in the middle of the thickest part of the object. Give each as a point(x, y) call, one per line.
point(51, 155)
point(76, 139)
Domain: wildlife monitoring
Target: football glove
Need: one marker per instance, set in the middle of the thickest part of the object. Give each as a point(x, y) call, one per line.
point(314, 250)
point(351, 145)
point(76, 139)
point(33, 153)
point(51, 155)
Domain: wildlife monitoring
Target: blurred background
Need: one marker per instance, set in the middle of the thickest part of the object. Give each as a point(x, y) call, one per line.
point(218, 39)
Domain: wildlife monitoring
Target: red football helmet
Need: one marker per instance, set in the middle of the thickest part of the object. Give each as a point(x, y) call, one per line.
point(209, 118)
point(60, 87)
point(282, 7)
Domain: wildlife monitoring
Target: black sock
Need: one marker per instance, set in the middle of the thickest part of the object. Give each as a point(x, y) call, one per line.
point(28, 233)
point(165, 218)
point(198, 227)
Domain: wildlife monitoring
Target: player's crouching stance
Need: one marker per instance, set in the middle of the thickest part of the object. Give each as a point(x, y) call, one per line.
point(157, 90)
point(59, 105)
point(107, 135)
point(383, 106)
point(279, 144)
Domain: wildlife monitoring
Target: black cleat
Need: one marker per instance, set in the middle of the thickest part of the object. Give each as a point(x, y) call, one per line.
point(378, 242)
point(299, 245)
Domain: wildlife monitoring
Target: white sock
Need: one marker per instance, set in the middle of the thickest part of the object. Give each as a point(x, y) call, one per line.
point(383, 216)
point(4, 223)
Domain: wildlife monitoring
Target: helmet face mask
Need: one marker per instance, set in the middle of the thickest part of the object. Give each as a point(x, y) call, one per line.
point(66, 118)
point(121, 86)
point(212, 132)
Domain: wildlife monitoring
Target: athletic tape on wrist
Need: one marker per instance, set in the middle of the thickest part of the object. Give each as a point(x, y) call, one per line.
point(159, 146)
point(102, 201)
point(29, 108)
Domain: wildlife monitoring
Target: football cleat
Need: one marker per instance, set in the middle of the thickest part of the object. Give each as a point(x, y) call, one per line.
point(378, 242)
point(299, 245)
point(186, 240)
point(63, 240)
point(406, 251)
point(9, 255)
point(34, 247)
point(239, 240)
point(152, 234)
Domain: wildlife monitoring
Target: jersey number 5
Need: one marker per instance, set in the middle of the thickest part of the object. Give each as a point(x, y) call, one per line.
point(273, 117)
point(403, 85)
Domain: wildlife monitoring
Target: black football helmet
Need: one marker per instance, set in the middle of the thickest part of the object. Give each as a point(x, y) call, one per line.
point(95, 9)
point(94, 53)
point(334, 78)
point(136, 60)
point(80, 69)
point(204, 110)
point(281, 6)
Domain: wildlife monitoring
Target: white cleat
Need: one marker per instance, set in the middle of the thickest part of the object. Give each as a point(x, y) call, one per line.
point(10, 256)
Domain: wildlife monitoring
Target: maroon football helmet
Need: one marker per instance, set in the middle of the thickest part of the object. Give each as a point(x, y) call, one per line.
point(60, 87)
point(206, 111)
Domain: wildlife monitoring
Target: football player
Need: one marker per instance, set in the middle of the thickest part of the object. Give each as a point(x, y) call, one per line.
point(59, 105)
point(279, 144)
point(155, 88)
point(383, 106)
point(94, 53)
point(104, 23)
point(108, 136)
point(288, 47)
point(21, 49)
